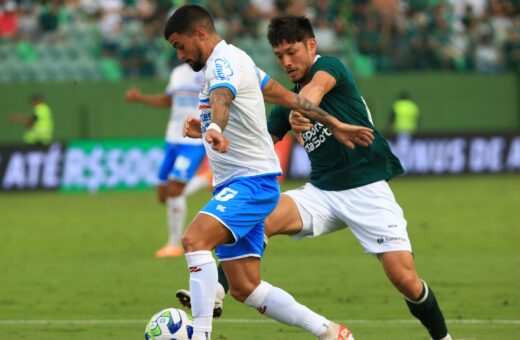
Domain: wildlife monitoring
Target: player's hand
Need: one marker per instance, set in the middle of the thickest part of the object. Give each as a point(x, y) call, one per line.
point(350, 135)
point(162, 192)
point(217, 140)
point(192, 128)
point(299, 123)
point(132, 94)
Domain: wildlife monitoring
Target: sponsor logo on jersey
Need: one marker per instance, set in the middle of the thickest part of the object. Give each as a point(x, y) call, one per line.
point(315, 137)
point(222, 70)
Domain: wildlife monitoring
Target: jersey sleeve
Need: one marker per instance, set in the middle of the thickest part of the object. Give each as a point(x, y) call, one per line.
point(278, 121)
point(263, 77)
point(332, 66)
point(221, 72)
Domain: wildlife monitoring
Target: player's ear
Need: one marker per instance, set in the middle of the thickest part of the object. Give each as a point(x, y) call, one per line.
point(200, 33)
point(311, 44)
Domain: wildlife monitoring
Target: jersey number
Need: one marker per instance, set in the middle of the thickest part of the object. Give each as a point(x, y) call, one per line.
point(226, 194)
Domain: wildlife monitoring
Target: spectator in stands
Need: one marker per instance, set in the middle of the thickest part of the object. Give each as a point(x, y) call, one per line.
point(135, 61)
point(488, 56)
point(512, 48)
point(39, 126)
point(8, 20)
point(28, 22)
point(294, 7)
point(110, 24)
point(48, 20)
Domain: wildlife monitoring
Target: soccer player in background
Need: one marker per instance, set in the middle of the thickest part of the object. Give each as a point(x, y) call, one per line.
point(241, 154)
point(182, 156)
point(348, 187)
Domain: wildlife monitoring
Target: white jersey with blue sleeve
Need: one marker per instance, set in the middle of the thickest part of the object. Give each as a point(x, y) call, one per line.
point(183, 87)
point(251, 150)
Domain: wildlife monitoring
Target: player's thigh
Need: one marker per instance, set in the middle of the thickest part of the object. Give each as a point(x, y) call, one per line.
point(316, 216)
point(187, 161)
point(242, 206)
point(205, 232)
point(374, 217)
point(285, 219)
point(243, 276)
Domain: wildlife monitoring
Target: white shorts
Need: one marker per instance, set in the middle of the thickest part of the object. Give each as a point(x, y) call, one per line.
point(370, 211)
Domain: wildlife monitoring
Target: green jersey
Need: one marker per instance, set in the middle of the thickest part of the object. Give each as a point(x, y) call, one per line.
point(334, 166)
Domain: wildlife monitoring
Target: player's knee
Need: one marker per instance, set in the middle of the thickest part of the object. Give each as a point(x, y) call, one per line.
point(242, 292)
point(192, 243)
point(175, 189)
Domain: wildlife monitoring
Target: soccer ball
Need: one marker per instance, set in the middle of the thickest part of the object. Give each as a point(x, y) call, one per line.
point(169, 324)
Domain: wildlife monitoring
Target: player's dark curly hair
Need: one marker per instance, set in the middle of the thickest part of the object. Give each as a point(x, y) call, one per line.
point(186, 18)
point(289, 29)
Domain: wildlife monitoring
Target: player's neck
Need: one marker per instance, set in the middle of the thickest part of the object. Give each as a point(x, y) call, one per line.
point(305, 80)
point(213, 41)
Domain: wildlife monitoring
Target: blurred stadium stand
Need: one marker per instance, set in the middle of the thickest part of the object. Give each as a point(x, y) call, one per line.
point(57, 40)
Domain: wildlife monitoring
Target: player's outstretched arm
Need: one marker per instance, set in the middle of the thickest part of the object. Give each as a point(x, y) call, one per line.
point(158, 100)
point(345, 133)
point(26, 121)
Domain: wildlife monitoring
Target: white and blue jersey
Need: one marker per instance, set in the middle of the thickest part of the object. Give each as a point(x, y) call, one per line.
point(251, 149)
point(182, 155)
point(246, 188)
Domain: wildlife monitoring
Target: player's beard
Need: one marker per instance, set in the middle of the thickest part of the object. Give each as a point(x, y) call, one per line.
point(196, 64)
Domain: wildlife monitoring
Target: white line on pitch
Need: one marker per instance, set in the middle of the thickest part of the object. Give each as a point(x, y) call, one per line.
point(246, 321)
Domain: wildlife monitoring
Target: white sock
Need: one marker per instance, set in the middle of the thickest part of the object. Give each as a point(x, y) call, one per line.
point(281, 306)
point(201, 336)
point(203, 283)
point(196, 183)
point(176, 214)
point(220, 293)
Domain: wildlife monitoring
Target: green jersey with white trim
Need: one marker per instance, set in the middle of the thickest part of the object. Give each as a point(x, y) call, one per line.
point(334, 166)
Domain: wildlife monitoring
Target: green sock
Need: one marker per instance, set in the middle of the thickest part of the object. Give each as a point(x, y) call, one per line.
point(222, 278)
point(427, 310)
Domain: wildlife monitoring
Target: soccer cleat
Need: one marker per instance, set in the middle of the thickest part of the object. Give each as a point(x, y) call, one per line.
point(169, 251)
point(447, 337)
point(336, 332)
point(184, 298)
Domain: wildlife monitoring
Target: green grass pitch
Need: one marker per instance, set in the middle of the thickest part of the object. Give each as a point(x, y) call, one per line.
point(81, 266)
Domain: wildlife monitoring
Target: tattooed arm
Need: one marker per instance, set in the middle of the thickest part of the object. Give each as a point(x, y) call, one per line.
point(275, 93)
point(345, 133)
point(220, 100)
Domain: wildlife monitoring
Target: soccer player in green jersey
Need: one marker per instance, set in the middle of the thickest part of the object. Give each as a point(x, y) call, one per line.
point(348, 187)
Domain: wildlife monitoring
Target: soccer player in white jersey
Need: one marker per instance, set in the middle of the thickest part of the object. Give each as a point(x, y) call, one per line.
point(182, 155)
point(240, 150)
